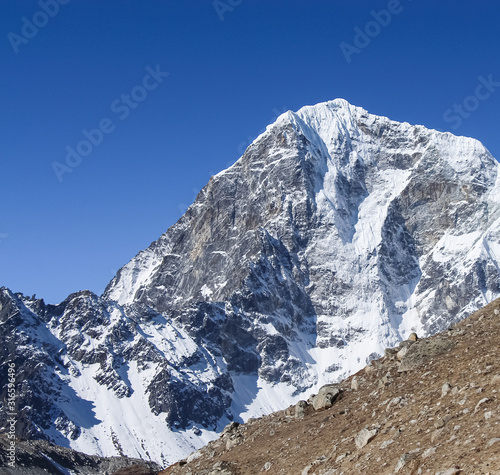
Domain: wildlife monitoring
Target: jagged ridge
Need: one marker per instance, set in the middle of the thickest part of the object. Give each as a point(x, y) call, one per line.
point(335, 235)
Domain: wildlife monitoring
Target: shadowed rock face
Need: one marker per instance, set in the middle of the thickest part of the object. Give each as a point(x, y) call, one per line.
point(40, 457)
point(335, 235)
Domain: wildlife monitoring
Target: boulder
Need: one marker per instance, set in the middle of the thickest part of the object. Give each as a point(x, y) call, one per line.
point(364, 436)
point(326, 396)
point(300, 409)
point(446, 388)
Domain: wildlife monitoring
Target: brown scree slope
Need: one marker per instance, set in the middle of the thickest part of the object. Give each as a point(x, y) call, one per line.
point(429, 406)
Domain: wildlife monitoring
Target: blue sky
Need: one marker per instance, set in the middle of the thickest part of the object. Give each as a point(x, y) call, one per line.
point(233, 66)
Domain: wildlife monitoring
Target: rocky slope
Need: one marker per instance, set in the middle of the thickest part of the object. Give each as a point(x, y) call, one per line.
point(430, 406)
point(334, 236)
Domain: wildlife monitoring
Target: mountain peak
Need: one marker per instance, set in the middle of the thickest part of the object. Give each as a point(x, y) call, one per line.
point(336, 235)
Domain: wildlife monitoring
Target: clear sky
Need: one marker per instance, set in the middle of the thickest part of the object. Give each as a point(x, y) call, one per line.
point(71, 68)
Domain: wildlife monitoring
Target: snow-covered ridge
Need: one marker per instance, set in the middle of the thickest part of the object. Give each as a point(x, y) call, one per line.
point(334, 236)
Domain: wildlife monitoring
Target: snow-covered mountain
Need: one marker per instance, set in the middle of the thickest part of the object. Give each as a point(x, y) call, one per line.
point(334, 236)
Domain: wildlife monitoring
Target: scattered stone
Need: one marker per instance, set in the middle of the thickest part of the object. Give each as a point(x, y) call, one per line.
point(392, 403)
point(319, 460)
point(413, 337)
point(450, 471)
point(340, 458)
point(429, 452)
point(386, 379)
point(404, 459)
point(222, 468)
point(233, 441)
point(386, 443)
point(229, 428)
point(370, 369)
point(364, 436)
point(306, 470)
point(446, 388)
point(438, 423)
point(194, 456)
point(480, 403)
point(411, 401)
point(436, 435)
point(442, 421)
point(492, 441)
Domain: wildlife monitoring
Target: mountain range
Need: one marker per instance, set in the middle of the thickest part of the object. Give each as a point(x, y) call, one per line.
point(334, 236)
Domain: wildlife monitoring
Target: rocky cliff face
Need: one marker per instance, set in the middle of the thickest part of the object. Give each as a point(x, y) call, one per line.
point(334, 236)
